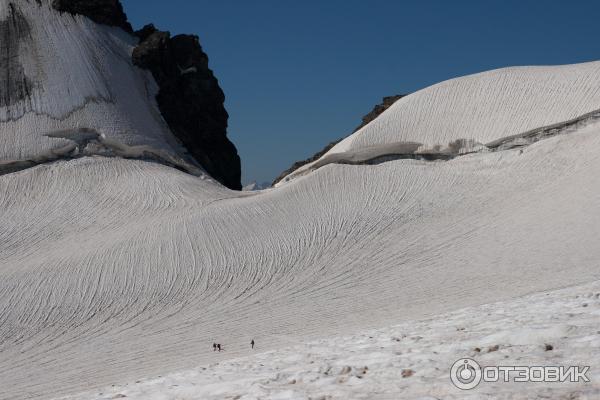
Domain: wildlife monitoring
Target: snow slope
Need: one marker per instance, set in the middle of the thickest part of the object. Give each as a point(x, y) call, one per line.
point(485, 106)
point(371, 364)
point(465, 114)
point(115, 269)
point(66, 72)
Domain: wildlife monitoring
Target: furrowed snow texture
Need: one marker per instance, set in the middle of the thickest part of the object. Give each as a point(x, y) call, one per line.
point(114, 269)
point(63, 71)
point(479, 108)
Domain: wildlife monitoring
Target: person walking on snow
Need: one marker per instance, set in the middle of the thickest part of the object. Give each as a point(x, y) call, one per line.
point(219, 346)
point(252, 343)
point(214, 347)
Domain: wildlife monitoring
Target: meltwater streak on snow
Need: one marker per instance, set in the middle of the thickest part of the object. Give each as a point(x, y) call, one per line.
point(77, 74)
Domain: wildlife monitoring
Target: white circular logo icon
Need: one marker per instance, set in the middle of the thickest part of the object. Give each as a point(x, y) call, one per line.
point(465, 373)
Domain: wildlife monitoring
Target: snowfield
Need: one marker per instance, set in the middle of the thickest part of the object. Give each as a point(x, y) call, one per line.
point(116, 267)
point(476, 110)
point(115, 270)
point(485, 106)
point(79, 75)
point(407, 361)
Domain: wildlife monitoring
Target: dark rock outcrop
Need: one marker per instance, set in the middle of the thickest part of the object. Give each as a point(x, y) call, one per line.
point(107, 12)
point(374, 113)
point(190, 100)
point(378, 109)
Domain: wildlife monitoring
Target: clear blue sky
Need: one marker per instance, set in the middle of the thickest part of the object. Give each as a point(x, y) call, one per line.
point(298, 74)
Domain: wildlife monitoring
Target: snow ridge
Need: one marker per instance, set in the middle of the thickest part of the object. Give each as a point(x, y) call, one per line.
point(460, 147)
point(482, 108)
point(486, 106)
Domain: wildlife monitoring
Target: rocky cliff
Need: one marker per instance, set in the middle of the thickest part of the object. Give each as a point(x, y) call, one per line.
point(189, 98)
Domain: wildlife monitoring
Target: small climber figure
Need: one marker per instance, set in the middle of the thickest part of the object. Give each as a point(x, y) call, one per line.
point(252, 343)
point(219, 346)
point(214, 347)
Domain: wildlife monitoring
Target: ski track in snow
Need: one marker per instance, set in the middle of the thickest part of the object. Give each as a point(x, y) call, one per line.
point(369, 365)
point(112, 270)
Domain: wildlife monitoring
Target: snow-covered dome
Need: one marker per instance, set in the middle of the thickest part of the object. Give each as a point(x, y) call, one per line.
point(468, 113)
point(484, 107)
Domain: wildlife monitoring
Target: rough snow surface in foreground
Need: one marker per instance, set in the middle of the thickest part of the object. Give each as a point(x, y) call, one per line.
point(370, 365)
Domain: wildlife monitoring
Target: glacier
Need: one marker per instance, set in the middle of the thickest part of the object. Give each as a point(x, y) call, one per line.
point(115, 266)
point(405, 361)
point(79, 75)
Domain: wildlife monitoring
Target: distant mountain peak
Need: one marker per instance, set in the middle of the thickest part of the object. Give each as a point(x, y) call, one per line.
point(256, 186)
